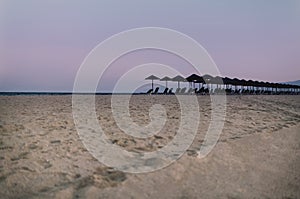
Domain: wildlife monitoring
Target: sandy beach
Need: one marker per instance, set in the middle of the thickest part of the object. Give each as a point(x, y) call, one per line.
point(257, 155)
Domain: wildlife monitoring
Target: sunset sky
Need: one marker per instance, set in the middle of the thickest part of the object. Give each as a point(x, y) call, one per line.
point(43, 43)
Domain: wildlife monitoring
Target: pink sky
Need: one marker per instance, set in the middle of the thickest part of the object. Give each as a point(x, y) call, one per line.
point(43, 43)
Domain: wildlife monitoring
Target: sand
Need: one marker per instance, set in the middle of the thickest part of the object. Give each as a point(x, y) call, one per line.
point(257, 155)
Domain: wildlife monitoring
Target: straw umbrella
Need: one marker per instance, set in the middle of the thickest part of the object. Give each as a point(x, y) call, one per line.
point(194, 79)
point(243, 83)
point(217, 80)
point(166, 78)
point(152, 77)
point(250, 84)
point(207, 79)
point(179, 79)
point(227, 81)
point(258, 85)
point(236, 82)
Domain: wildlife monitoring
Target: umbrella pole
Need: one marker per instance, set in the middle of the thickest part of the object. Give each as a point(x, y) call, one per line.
point(152, 84)
point(178, 84)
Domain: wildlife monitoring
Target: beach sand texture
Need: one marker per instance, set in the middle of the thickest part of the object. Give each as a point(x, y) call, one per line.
point(257, 156)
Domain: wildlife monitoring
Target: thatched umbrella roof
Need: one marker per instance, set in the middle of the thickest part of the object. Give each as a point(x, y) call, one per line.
point(178, 79)
point(166, 78)
point(194, 78)
point(207, 78)
point(217, 80)
point(151, 77)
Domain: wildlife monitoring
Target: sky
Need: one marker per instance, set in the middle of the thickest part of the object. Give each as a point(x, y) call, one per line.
point(43, 43)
